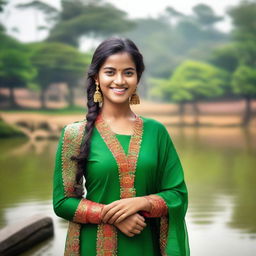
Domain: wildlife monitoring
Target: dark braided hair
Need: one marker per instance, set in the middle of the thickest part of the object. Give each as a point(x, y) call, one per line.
point(107, 48)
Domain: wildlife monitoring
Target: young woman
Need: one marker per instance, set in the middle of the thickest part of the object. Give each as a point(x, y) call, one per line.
point(136, 197)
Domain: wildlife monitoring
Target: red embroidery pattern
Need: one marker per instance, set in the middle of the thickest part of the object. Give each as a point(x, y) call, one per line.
point(106, 240)
point(88, 212)
point(158, 207)
point(164, 225)
point(71, 144)
point(72, 245)
point(126, 168)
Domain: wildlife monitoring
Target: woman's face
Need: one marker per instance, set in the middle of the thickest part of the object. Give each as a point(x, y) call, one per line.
point(117, 78)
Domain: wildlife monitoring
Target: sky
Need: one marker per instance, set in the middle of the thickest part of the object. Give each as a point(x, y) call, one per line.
point(21, 24)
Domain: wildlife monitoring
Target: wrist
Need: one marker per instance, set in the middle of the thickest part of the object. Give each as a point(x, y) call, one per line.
point(148, 205)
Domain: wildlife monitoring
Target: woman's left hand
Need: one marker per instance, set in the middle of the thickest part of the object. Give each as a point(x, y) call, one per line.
point(118, 210)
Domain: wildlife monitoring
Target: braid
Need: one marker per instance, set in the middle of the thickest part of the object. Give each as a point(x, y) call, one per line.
point(93, 110)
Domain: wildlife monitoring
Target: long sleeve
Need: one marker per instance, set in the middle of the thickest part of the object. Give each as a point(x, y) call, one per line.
point(173, 190)
point(158, 207)
point(171, 200)
point(71, 208)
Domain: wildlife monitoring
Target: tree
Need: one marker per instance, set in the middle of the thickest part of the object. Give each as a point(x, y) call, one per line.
point(57, 62)
point(244, 83)
point(49, 11)
point(192, 81)
point(243, 18)
point(205, 15)
point(16, 71)
point(225, 57)
point(244, 34)
point(78, 19)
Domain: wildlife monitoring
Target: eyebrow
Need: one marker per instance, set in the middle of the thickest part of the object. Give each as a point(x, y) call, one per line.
point(115, 69)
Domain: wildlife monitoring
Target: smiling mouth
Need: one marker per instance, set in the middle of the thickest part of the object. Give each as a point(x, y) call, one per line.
point(118, 89)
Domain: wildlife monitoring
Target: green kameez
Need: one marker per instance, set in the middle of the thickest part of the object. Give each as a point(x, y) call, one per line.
point(158, 171)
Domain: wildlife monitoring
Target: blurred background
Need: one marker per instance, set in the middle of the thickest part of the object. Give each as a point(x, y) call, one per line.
point(200, 81)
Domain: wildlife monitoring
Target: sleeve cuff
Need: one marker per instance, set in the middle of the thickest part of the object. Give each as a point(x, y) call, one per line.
point(158, 207)
point(88, 212)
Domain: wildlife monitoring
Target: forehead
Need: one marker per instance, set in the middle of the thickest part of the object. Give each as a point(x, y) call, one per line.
point(119, 60)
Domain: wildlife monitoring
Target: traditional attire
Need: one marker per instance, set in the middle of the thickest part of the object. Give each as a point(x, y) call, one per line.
point(122, 166)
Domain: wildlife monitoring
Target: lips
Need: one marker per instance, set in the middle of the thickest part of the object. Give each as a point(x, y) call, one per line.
point(118, 90)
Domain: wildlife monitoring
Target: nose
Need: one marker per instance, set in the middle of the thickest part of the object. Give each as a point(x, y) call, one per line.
point(119, 79)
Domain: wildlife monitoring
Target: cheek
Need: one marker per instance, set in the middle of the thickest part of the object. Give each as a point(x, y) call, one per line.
point(105, 79)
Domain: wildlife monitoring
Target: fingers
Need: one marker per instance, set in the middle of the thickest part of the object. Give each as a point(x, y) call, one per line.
point(109, 213)
point(108, 207)
point(116, 217)
point(141, 217)
point(123, 216)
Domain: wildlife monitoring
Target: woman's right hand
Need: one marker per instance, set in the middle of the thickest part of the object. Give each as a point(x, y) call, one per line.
point(132, 225)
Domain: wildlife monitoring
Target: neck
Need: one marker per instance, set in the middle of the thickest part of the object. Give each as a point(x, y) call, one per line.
point(115, 111)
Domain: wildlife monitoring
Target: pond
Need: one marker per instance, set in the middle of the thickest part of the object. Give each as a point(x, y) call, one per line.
point(219, 165)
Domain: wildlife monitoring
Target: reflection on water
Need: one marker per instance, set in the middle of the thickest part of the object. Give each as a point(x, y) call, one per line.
point(219, 167)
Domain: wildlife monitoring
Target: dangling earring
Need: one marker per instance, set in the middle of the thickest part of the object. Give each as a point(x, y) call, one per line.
point(135, 99)
point(97, 97)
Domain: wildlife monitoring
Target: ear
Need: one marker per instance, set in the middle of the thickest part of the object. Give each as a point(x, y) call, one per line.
point(96, 79)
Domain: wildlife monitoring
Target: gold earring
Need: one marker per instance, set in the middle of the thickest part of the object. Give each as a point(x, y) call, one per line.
point(97, 97)
point(135, 99)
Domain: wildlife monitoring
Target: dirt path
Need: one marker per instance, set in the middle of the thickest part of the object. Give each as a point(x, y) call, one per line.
point(212, 114)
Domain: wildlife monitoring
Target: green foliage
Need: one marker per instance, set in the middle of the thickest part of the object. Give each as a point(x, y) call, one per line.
point(244, 81)
point(226, 57)
point(16, 69)
point(2, 3)
point(172, 38)
point(7, 131)
point(78, 19)
point(57, 62)
point(244, 32)
point(244, 20)
point(192, 81)
point(8, 42)
point(205, 15)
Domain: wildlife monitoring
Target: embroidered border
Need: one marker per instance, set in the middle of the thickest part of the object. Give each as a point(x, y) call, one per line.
point(164, 225)
point(73, 135)
point(88, 212)
point(159, 207)
point(72, 245)
point(71, 146)
point(107, 239)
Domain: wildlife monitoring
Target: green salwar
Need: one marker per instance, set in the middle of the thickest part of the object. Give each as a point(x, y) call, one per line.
point(158, 171)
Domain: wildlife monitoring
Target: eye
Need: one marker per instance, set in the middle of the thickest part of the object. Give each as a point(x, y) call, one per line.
point(129, 73)
point(109, 72)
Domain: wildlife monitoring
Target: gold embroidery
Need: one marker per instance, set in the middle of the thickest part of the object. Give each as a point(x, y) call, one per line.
point(106, 240)
point(73, 135)
point(107, 234)
point(72, 246)
point(88, 212)
point(158, 206)
point(71, 146)
point(163, 234)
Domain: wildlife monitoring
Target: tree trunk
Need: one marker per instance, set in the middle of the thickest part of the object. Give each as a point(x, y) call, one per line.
point(196, 113)
point(71, 96)
point(12, 99)
point(248, 112)
point(42, 98)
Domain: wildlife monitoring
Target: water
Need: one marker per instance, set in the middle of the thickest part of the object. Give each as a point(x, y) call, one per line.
point(219, 167)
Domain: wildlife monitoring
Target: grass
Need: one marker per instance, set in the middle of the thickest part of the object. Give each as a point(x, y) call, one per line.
point(7, 131)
